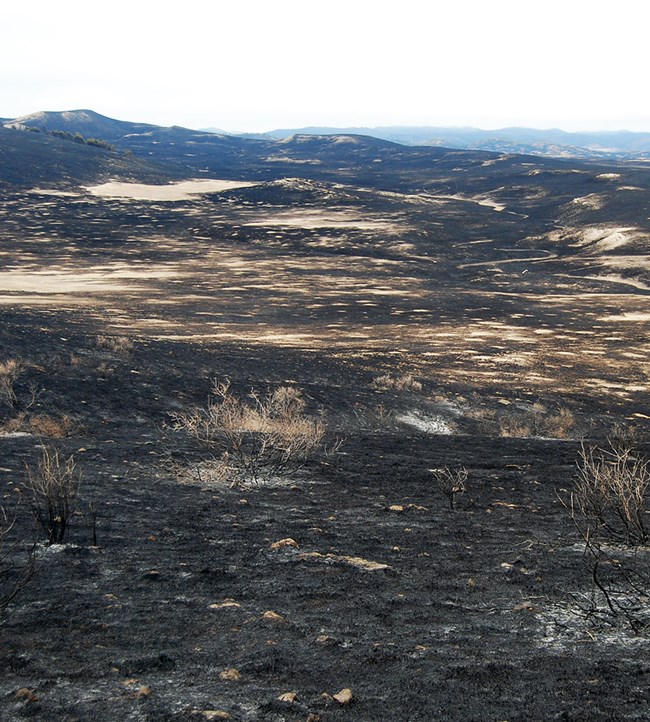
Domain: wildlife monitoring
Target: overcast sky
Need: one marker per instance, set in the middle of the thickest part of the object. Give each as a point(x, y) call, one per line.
point(257, 65)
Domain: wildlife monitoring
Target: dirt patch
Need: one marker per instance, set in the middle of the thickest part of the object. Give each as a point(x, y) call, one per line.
point(180, 191)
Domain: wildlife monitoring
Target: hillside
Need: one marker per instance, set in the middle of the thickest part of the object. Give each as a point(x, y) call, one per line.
point(29, 159)
point(326, 397)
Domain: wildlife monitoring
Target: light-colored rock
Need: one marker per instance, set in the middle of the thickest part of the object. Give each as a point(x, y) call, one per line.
point(289, 697)
point(358, 562)
point(225, 604)
point(281, 543)
point(230, 675)
point(345, 696)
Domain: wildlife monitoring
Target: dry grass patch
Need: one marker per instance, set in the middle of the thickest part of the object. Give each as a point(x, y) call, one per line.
point(405, 382)
point(115, 344)
point(53, 427)
point(537, 422)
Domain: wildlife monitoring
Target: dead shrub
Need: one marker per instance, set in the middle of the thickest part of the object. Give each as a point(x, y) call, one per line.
point(538, 422)
point(10, 371)
point(608, 508)
point(609, 495)
point(52, 489)
point(405, 382)
point(16, 561)
point(514, 426)
point(624, 436)
point(451, 482)
point(256, 439)
point(560, 425)
point(54, 427)
point(120, 345)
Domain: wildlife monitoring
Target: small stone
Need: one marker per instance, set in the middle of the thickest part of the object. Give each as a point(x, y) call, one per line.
point(212, 714)
point(396, 508)
point(272, 616)
point(144, 691)
point(325, 639)
point(526, 606)
point(230, 675)
point(225, 604)
point(289, 697)
point(281, 543)
point(344, 696)
point(27, 695)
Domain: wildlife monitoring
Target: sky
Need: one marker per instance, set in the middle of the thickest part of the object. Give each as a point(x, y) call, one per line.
point(248, 65)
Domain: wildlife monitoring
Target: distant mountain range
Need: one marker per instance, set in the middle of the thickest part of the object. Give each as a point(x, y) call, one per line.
point(529, 141)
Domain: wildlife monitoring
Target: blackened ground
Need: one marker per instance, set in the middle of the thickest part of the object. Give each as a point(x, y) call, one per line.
point(466, 614)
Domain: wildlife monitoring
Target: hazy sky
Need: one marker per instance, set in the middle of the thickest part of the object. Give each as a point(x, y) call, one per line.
point(256, 65)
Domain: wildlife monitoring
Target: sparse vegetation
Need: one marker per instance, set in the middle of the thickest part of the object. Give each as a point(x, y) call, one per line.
point(451, 482)
point(52, 487)
point(608, 508)
point(405, 382)
point(610, 495)
point(257, 439)
point(10, 371)
point(16, 562)
point(537, 422)
point(120, 345)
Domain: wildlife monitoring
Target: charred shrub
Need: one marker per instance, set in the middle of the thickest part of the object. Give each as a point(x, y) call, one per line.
point(16, 559)
point(608, 506)
point(52, 487)
point(451, 482)
point(10, 371)
point(254, 439)
point(610, 494)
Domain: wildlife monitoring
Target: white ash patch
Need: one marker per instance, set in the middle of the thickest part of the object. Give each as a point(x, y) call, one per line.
point(430, 424)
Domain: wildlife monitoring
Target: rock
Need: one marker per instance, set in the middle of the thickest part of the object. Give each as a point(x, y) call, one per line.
point(396, 508)
point(281, 543)
point(325, 639)
point(272, 616)
point(225, 604)
point(26, 695)
point(288, 697)
point(144, 691)
point(213, 714)
point(230, 675)
point(344, 696)
point(358, 562)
